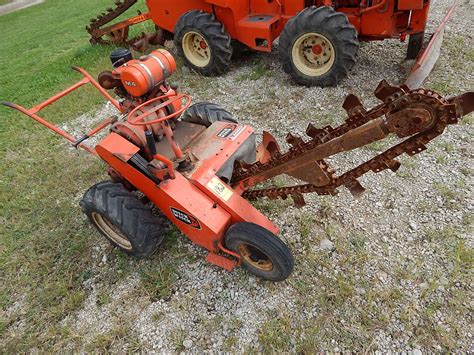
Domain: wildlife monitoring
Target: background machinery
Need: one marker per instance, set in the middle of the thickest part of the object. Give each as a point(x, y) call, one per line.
point(318, 39)
point(200, 167)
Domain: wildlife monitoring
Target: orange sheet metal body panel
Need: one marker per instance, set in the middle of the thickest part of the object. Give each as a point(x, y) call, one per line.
point(194, 213)
point(257, 23)
point(201, 205)
point(390, 21)
point(410, 4)
point(213, 151)
point(167, 12)
point(419, 18)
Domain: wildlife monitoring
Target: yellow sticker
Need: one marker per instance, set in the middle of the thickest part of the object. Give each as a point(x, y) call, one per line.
point(219, 188)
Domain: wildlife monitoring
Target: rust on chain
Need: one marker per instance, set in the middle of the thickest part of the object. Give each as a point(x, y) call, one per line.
point(419, 116)
point(106, 17)
point(118, 33)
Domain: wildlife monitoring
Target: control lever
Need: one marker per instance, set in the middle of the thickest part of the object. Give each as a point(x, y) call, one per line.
point(100, 127)
point(150, 140)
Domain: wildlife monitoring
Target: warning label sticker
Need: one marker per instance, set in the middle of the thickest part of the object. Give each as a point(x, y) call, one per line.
point(219, 188)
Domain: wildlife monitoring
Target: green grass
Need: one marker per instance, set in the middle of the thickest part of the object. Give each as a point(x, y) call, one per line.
point(449, 196)
point(46, 243)
point(259, 70)
point(275, 335)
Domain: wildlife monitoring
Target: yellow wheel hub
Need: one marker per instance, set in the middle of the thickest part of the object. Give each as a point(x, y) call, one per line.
point(196, 49)
point(111, 231)
point(255, 257)
point(313, 54)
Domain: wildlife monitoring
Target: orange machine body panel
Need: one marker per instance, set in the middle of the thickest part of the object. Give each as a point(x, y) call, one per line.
point(257, 23)
point(140, 76)
point(410, 4)
point(194, 205)
point(213, 152)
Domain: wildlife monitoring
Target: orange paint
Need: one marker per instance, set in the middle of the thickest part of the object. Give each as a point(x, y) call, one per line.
point(258, 23)
point(140, 76)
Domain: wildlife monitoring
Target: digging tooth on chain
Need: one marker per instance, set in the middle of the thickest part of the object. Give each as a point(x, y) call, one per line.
point(353, 105)
point(385, 91)
point(106, 17)
point(326, 135)
point(319, 135)
point(395, 100)
point(294, 140)
point(298, 200)
point(406, 89)
point(312, 131)
point(393, 165)
point(415, 148)
point(355, 188)
point(382, 165)
point(463, 105)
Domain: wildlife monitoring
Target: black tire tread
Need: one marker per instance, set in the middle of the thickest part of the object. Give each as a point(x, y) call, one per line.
point(266, 241)
point(335, 26)
point(216, 36)
point(206, 113)
point(124, 209)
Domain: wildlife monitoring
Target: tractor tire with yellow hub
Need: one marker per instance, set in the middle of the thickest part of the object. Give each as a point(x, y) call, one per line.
point(203, 43)
point(318, 47)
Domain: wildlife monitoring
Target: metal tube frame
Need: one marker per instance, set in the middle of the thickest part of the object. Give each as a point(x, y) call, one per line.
point(87, 78)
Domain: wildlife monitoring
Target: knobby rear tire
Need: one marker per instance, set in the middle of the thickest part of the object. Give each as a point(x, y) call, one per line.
point(213, 32)
point(334, 26)
point(206, 113)
point(123, 219)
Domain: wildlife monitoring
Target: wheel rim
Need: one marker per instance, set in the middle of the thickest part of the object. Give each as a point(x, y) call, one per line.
point(196, 49)
point(111, 231)
point(255, 257)
point(313, 54)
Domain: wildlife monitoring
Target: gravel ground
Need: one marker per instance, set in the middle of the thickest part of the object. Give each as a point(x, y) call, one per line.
point(386, 272)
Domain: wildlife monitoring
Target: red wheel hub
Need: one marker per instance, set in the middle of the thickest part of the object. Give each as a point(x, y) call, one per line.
point(203, 45)
point(317, 49)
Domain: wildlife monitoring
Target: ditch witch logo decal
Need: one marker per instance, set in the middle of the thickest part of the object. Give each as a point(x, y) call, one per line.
point(185, 218)
point(230, 132)
point(224, 133)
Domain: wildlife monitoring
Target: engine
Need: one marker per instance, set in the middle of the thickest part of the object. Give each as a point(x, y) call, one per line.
point(137, 78)
point(138, 81)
